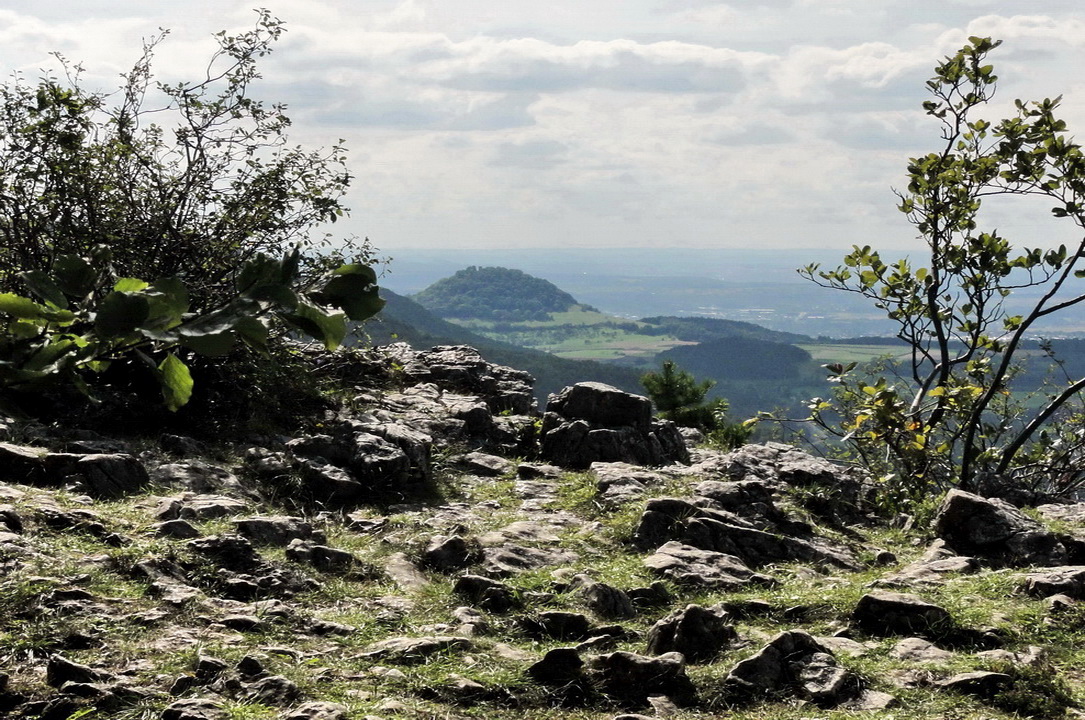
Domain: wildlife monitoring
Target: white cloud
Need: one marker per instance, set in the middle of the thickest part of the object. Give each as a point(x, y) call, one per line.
point(612, 122)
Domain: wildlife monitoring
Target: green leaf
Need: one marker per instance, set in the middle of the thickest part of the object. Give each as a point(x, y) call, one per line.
point(120, 314)
point(74, 276)
point(176, 382)
point(20, 307)
point(43, 286)
point(352, 288)
point(317, 323)
point(252, 331)
point(168, 303)
point(210, 344)
point(130, 285)
point(257, 272)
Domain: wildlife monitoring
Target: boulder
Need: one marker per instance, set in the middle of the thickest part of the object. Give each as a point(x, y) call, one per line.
point(556, 625)
point(102, 476)
point(318, 711)
point(413, 650)
point(23, 465)
point(1068, 581)
point(593, 422)
point(447, 554)
point(793, 663)
point(699, 633)
point(629, 679)
point(978, 683)
point(759, 541)
point(195, 709)
point(558, 666)
point(488, 594)
point(889, 613)
point(274, 530)
point(460, 369)
point(606, 601)
point(993, 529)
point(602, 405)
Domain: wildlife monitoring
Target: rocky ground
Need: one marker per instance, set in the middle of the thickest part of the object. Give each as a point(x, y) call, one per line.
point(438, 549)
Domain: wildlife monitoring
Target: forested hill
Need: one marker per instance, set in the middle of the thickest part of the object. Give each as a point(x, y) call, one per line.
point(403, 320)
point(494, 293)
point(703, 329)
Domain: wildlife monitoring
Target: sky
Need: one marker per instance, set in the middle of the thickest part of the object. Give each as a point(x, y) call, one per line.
point(603, 123)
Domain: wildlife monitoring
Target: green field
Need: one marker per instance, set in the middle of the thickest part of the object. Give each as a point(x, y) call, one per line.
point(845, 352)
point(577, 334)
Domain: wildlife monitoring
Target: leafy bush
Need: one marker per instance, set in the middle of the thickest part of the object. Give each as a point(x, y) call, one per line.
point(147, 224)
point(187, 180)
point(75, 327)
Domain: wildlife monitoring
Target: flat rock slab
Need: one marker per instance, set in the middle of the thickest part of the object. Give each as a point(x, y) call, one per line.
point(415, 650)
point(979, 683)
point(919, 650)
point(521, 531)
point(1068, 580)
point(930, 572)
point(405, 573)
point(690, 566)
point(195, 709)
point(1073, 513)
point(515, 559)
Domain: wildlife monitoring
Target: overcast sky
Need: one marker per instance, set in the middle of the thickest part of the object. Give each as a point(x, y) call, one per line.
point(599, 123)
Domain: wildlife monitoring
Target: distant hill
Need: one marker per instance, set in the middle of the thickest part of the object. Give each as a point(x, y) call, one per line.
point(403, 320)
point(494, 293)
point(703, 329)
point(740, 359)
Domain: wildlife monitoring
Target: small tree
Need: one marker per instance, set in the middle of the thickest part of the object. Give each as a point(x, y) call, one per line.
point(954, 421)
point(680, 397)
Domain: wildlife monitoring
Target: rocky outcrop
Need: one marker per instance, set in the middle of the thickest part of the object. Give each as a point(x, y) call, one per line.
point(593, 422)
point(793, 664)
point(400, 556)
point(104, 476)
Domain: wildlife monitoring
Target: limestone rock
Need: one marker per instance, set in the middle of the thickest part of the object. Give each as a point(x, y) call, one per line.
point(318, 711)
point(793, 663)
point(323, 558)
point(919, 650)
point(593, 422)
point(699, 633)
point(629, 679)
point(447, 554)
point(979, 683)
point(559, 665)
point(891, 613)
point(1067, 580)
point(195, 709)
point(605, 600)
point(995, 530)
point(410, 650)
point(688, 565)
point(276, 531)
point(557, 625)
